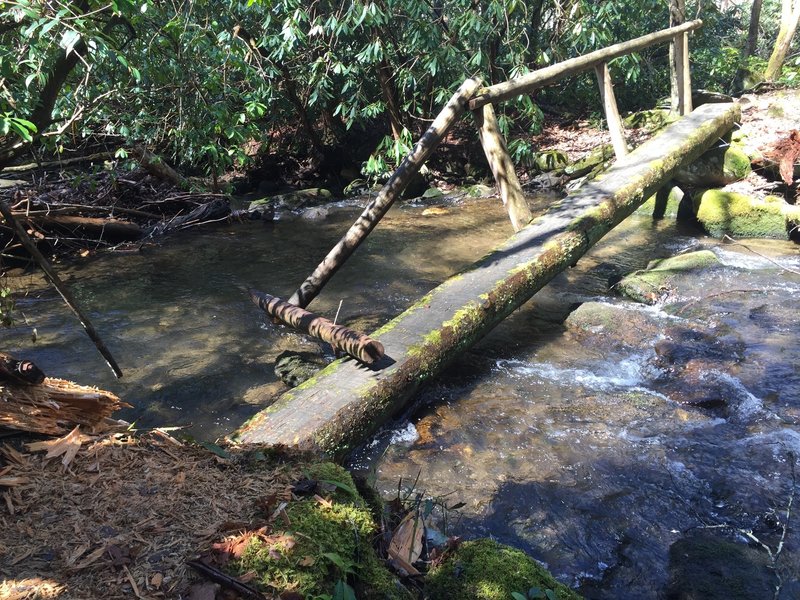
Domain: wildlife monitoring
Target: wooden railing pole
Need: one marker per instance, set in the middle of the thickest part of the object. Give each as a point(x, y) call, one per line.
point(494, 146)
point(368, 219)
point(541, 77)
point(611, 111)
point(685, 75)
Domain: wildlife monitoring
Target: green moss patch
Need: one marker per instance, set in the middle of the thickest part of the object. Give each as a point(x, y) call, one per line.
point(486, 570)
point(649, 285)
point(742, 216)
point(318, 542)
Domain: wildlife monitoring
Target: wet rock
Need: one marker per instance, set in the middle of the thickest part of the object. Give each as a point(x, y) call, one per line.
point(704, 567)
point(719, 166)
point(432, 192)
point(480, 190)
point(433, 211)
point(743, 216)
point(293, 368)
point(657, 280)
point(613, 325)
point(318, 213)
point(294, 200)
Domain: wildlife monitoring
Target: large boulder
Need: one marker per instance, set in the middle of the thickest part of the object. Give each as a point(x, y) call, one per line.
point(742, 216)
point(719, 166)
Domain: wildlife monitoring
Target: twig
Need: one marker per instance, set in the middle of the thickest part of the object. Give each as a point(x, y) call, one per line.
point(217, 576)
point(728, 238)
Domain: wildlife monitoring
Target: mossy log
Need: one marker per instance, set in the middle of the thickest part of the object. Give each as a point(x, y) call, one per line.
point(347, 402)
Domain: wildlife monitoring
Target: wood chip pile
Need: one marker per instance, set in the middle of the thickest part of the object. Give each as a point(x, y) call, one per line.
point(118, 516)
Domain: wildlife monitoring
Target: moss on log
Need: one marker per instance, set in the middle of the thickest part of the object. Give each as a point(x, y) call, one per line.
point(346, 402)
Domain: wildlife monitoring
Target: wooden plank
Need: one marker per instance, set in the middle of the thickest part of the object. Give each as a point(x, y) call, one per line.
point(542, 77)
point(347, 402)
point(375, 210)
point(611, 111)
point(494, 146)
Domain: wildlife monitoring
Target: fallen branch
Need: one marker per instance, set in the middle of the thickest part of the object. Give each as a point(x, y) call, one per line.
point(62, 289)
point(357, 345)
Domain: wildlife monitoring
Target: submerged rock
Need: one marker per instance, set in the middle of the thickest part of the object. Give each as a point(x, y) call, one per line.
point(743, 216)
point(486, 570)
point(293, 368)
point(656, 281)
point(704, 567)
point(618, 327)
point(719, 166)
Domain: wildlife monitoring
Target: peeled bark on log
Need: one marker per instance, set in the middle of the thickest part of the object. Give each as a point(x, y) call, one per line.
point(345, 403)
point(357, 345)
point(55, 406)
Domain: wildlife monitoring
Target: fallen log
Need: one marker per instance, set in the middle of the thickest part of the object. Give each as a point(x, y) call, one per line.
point(344, 404)
point(92, 228)
point(357, 345)
point(55, 406)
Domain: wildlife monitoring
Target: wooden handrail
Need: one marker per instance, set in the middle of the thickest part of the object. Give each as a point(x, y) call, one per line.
point(542, 77)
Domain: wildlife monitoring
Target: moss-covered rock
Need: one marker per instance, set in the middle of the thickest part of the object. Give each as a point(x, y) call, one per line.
point(596, 159)
point(320, 540)
point(650, 120)
point(719, 166)
point(293, 367)
point(651, 284)
point(486, 570)
point(550, 160)
point(480, 190)
point(743, 216)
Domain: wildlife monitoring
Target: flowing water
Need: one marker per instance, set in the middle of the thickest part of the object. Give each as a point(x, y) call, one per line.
point(596, 444)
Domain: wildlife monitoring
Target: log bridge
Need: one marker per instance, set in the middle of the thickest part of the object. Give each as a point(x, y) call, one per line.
point(349, 401)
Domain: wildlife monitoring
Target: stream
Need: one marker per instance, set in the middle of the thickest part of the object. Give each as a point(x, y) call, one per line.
point(630, 448)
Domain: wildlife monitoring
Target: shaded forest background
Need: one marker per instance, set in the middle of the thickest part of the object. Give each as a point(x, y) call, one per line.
point(332, 87)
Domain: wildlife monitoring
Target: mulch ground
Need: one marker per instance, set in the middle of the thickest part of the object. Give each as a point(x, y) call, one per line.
point(121, 519)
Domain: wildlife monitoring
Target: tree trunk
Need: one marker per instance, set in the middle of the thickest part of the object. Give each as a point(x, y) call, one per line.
point(750, 47)
point(390, 97)
point(790, 18)
point(345, 403)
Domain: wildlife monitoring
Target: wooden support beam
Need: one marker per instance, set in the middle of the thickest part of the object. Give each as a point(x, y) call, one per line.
point(542, 77)
point(494, 146)
point(345, 403)
point(611, 111)
point(683, 73)
point(357, 345)
point(375, 210)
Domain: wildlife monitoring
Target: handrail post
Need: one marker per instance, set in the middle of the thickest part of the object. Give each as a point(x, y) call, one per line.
point(610, 109)
point(680, 44)
point(494, 146)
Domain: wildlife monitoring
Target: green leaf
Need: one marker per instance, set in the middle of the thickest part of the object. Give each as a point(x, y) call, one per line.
point(214, 448)
point(518, 596)
point(343, 591)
